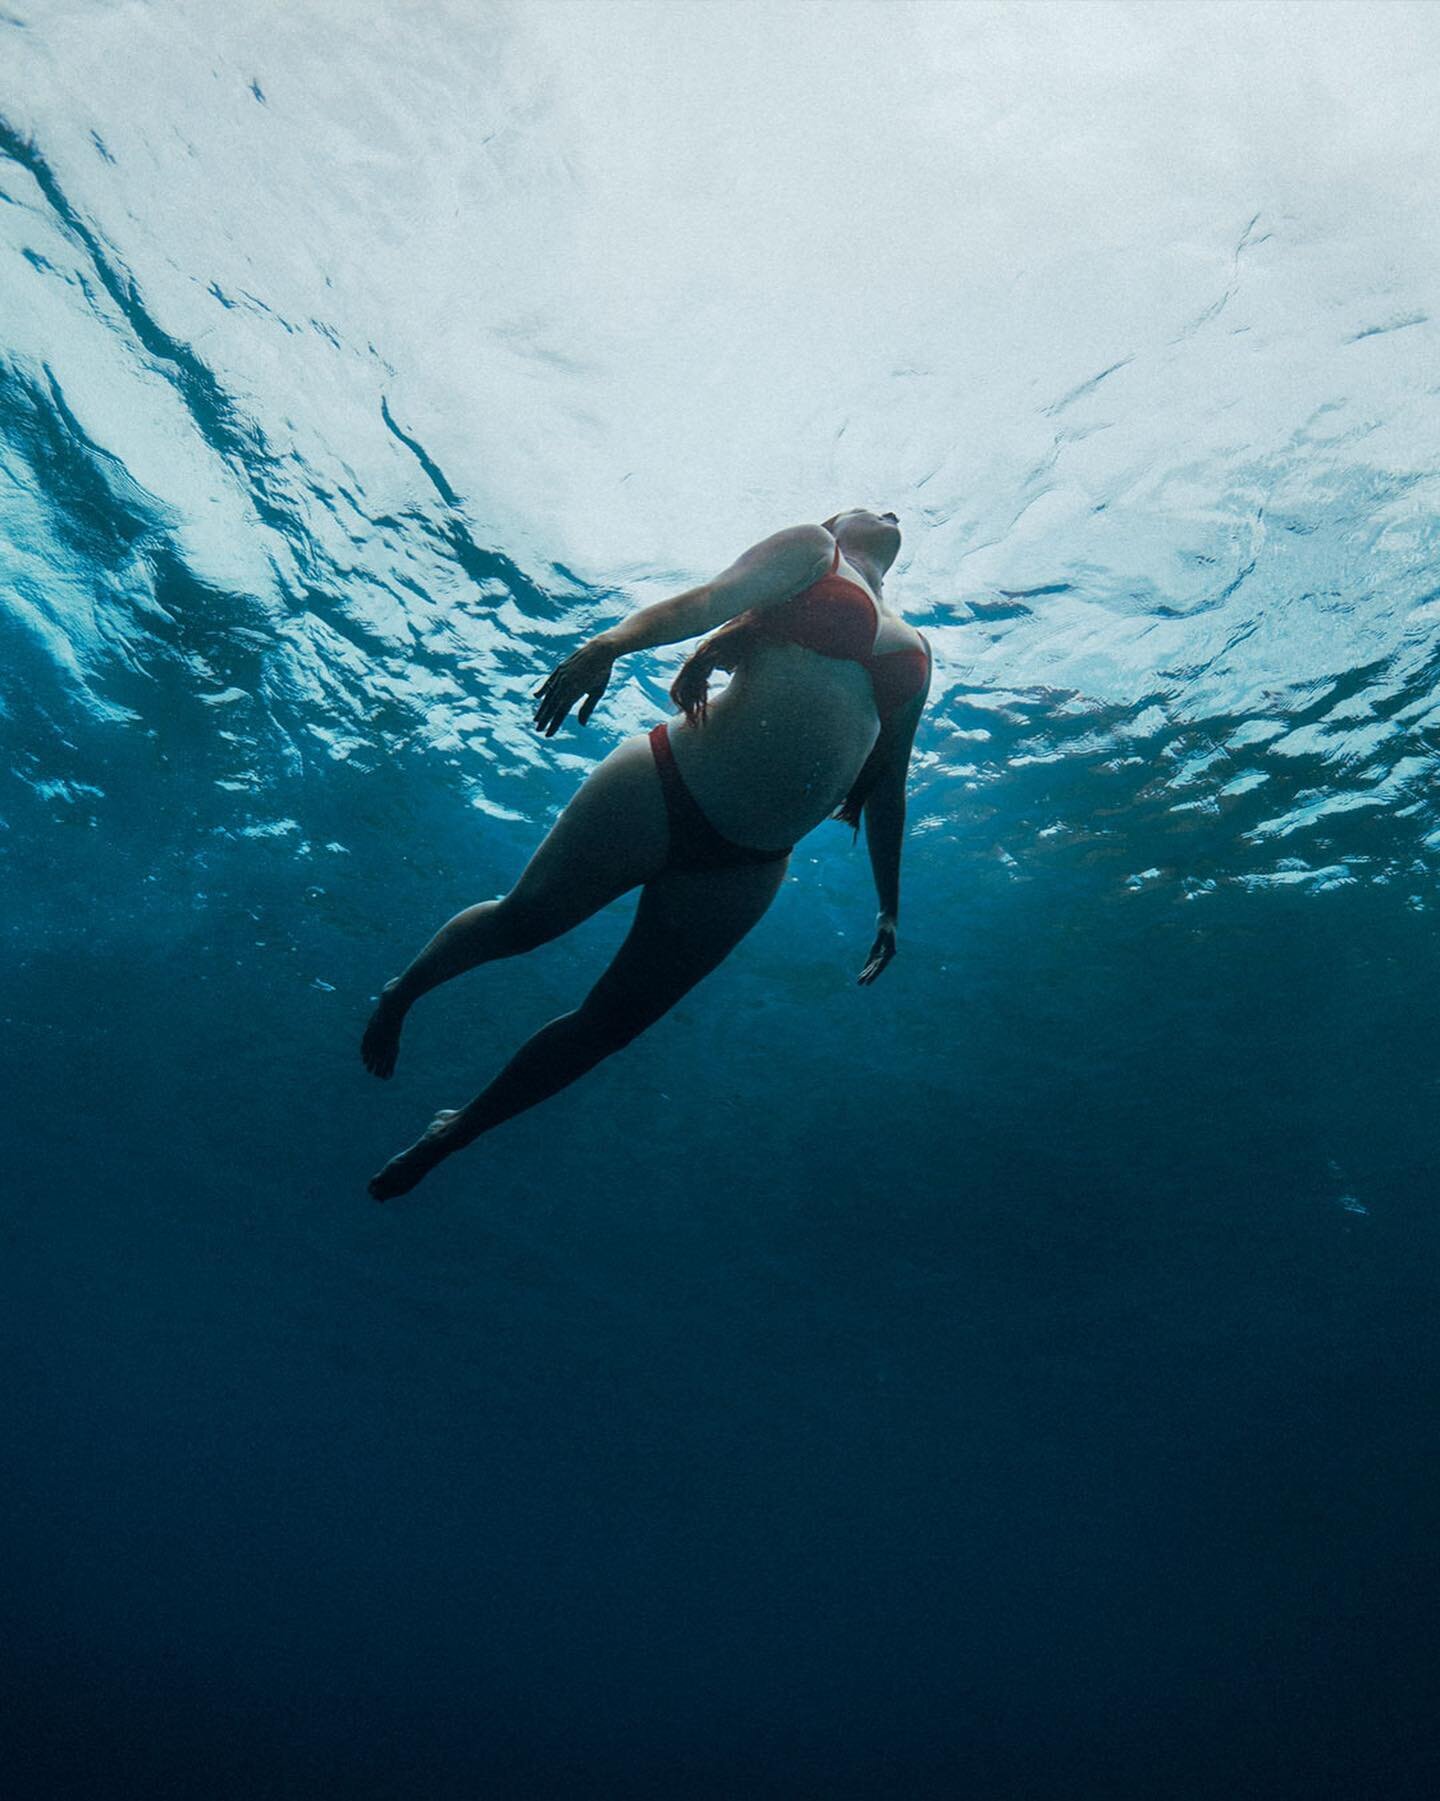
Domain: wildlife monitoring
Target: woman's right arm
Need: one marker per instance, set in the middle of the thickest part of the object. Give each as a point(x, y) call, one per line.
point(764, 575)
point(769, 572)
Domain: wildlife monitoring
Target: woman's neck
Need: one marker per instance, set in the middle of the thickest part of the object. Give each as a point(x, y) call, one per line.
point(857, 559)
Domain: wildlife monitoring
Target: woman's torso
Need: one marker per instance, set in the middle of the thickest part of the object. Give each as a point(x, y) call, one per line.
point(786, 737)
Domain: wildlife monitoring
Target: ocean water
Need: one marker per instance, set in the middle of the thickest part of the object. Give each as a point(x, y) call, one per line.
point(1012, 1380)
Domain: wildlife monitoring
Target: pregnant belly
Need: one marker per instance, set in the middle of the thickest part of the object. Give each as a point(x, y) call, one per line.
point(781, 744)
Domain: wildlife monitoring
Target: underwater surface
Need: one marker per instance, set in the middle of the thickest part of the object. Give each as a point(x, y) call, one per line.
point(1013, 1379)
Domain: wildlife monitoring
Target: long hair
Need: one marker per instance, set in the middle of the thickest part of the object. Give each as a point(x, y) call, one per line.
point(724, 649)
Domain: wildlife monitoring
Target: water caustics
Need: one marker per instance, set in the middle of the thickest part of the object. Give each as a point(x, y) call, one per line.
point(1009, 1379)
point(352, 368)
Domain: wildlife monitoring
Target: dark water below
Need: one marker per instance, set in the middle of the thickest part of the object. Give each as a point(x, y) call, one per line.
point(1013, 1380)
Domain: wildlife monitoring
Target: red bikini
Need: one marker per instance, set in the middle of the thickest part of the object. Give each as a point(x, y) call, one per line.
point(839, 618)
point(836, 617)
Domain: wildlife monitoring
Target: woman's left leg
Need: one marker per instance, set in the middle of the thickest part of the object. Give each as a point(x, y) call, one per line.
point(687, 922)
point(610, 838)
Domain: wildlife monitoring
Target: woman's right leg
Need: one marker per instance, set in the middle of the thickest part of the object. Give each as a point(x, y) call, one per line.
point(687, 923)
point(612, 837)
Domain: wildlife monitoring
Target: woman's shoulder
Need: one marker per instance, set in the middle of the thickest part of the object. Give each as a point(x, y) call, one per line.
point(779, 566)
point(799, 543)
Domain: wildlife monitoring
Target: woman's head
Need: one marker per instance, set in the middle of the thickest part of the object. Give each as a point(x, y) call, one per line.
point(872, 537)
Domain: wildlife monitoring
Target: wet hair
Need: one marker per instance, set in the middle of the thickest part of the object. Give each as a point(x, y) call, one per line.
point(690, 690)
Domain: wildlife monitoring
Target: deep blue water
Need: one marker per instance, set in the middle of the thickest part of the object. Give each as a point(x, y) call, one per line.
point(1016, 1379)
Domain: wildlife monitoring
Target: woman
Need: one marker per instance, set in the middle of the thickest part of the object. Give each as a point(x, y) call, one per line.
point(701, 812)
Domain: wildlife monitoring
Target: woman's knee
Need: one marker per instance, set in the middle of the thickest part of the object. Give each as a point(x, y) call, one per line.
point(521, 923)
point(614, 1016)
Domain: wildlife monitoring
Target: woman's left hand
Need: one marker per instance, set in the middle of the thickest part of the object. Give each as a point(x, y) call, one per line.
point(881, 951)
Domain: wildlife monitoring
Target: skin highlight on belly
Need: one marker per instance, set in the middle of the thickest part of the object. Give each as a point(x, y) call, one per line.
point(781, 745)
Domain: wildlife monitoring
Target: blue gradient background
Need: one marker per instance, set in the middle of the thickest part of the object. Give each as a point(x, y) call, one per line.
point(1013, 1380)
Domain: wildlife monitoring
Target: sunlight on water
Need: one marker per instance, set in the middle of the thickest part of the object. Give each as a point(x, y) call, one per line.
point(1007, 1381)
point(405, 348)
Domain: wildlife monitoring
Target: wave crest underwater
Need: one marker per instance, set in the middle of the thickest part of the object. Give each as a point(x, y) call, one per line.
point(356, 368)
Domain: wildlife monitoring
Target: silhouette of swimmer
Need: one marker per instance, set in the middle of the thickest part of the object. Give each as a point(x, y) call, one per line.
point(700, 813)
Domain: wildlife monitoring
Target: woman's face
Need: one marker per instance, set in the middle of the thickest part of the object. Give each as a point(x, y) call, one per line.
point(876, 535)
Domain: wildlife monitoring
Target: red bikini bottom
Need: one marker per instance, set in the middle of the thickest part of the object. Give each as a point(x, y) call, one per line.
point(694, 842)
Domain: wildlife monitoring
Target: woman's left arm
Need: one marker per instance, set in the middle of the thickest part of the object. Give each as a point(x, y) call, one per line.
point(884, 815)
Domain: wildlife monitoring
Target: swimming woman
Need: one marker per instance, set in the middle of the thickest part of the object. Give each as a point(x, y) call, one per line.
point(701, 812)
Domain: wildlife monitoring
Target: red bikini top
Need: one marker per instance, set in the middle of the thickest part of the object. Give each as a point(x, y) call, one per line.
point(839, 618)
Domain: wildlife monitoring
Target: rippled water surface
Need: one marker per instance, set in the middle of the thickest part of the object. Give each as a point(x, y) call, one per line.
point(1013, 1379)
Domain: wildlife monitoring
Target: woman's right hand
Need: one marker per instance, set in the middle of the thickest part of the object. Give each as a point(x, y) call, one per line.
point(584, 672)
point(882, 951)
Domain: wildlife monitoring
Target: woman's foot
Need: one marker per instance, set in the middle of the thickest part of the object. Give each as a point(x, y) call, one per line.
point(411, 1167)
point(381, 1044)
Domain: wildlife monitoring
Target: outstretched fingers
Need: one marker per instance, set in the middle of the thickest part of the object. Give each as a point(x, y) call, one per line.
point(584, 673)
point(559, 697)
